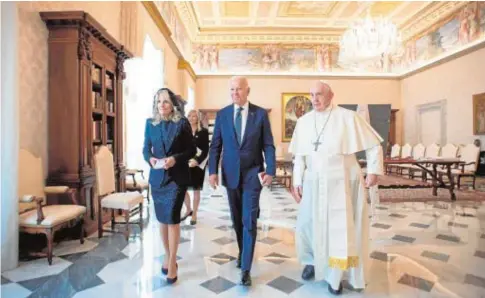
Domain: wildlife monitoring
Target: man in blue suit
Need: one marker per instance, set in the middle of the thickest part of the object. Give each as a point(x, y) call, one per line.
point(242, 133)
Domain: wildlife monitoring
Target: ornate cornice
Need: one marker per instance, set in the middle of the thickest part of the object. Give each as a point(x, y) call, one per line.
point(165, 30)
point(428, 20)
point(265, 39)
point(415, 25)
point(187, 15)
point(184, 65)
point(152, 10)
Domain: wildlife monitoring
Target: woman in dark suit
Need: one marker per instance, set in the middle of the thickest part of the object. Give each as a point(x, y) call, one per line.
point(167, 148)
point(197, 172)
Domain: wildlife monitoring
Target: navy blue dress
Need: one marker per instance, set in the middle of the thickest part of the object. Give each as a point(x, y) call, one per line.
point(167, 139)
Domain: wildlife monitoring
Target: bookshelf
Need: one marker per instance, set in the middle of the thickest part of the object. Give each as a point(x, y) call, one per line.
point(85, 104)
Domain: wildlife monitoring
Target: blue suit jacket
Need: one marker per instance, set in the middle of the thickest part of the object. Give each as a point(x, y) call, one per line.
point(180, 145)
point(247, 157)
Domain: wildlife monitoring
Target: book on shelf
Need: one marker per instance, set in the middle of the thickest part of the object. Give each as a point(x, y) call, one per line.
point(111, 107)
point(96, 100)
point(97, 130)
point(108, 81)
point(96, 75)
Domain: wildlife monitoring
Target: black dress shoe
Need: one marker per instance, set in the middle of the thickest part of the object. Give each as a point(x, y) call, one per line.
point(246, 278)
point(308, 272)
point(335, 292)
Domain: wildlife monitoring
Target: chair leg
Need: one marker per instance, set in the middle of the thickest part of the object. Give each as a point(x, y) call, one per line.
point(473, 185)
point(50, 240)
point(141, 217)
point(127, 228)
point(100, 222)
point(112, 219)
point(148, 194)
point(81, 237)
point(458, 181)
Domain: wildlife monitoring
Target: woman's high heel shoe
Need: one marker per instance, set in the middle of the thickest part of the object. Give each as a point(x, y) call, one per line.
point(173, 280)
point(165, 270)
point(186, 215)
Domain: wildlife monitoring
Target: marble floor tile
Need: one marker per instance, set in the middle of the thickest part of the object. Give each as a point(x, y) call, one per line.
point(382, 256)
point(5, 281)
point(475, 280)
point(404, 238)
point(223, 240)
point(36, 268)
point(222, 258)
point(448, 238)
point(14, 290)
point(285, 284)
point(419, 225)
point(269, 240)
point(73, 247)
point(276, 258)
point(435, 255)
point(218, 285)
point(416, 249)
point(416, 282)
point(480, 254)
point(381, 226)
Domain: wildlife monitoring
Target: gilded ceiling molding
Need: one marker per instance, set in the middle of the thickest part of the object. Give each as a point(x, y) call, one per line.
point(184, 65)
point(417, 24)
point(164, 29)
point(303, 76)
point(430, 21)
point(282, 45)
point(187, 15)
point(158, 20)
point(238, 39)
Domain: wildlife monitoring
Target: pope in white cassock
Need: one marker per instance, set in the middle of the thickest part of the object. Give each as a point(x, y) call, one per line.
point(332, 226)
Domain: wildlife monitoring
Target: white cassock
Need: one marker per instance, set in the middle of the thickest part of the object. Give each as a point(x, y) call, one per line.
point(332, 227)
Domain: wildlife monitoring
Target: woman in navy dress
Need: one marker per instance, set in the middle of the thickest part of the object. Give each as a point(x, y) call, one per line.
point(168, 147)
point(197, 174)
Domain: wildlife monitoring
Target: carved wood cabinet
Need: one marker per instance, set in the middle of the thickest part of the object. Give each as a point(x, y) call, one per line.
point(85, 104)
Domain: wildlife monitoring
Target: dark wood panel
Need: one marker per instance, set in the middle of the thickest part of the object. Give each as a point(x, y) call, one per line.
point(77, 42)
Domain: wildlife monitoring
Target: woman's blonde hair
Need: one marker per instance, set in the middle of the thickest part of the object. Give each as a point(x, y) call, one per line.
point(168, 96)
point(199, 126)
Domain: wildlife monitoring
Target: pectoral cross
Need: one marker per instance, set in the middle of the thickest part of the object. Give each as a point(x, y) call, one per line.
point(317, 143)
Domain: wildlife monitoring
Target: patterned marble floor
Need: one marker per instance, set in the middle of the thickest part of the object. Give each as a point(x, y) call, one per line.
point(417, 250)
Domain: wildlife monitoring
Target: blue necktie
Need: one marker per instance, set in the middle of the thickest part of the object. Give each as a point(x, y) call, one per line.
point(238, 124)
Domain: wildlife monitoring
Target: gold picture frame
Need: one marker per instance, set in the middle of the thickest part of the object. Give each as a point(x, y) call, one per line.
point(479, 114)
point(293, 106)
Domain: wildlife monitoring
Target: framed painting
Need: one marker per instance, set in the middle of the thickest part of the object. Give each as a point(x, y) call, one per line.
point(479, 114)
point(294, 105)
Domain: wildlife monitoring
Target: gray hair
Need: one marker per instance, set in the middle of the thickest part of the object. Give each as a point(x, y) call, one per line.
point(239, 78)
point(167, 95)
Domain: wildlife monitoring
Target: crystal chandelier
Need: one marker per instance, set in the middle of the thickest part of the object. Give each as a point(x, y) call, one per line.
point(368, 39)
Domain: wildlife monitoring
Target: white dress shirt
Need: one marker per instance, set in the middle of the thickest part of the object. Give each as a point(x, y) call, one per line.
point(244, 116)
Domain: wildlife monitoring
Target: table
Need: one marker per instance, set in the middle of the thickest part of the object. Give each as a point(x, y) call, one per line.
point(287, 166)
point(437, 181)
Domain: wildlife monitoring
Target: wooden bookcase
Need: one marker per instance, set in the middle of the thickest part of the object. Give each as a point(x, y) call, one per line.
point(85, 104)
